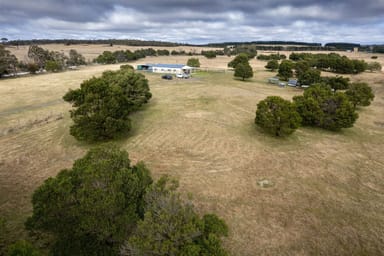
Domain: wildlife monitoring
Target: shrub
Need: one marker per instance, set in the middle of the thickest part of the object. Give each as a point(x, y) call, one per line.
point(277, 116)
point(193, 62)
point(360, 94)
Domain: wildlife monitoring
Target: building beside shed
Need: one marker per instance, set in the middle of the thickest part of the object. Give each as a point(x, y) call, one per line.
point(273, 80)
point(292, 82)
point(166, 68)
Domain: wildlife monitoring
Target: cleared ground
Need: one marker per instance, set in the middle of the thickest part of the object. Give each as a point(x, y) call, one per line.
point(327, 191)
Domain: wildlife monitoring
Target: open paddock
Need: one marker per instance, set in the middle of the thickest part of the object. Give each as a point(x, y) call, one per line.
point(326, 193)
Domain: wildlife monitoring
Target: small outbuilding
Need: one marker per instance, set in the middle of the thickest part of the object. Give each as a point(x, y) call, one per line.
point(292, 82)
point(166, 68)
point(273, 80)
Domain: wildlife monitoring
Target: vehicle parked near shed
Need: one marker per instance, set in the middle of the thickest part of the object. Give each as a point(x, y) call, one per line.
point(167, 77)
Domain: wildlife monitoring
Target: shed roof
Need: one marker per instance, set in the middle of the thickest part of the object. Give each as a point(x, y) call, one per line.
point(169, 66)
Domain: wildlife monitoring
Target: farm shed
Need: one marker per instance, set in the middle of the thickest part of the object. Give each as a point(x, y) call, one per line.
point(273, 80)
point(166, 68)
point(292, 82)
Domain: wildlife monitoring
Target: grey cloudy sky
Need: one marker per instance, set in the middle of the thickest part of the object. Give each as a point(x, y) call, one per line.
point(195, 21)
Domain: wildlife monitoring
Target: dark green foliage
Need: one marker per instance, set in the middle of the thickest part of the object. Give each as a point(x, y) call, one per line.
point(318, 91)
point(241, 58)
point(309, 110)
point(107, 57)
point(8, 61)
point(342, 46)
point(23, 248)
point(75, 58)
point(53, 66)
point(320, 107)
point(243, 70)
point(271, 57)
point(193, 62)
point(301, 67)
point(337, 83)
point(214, 225)
point(180, 52)
point(93, 207)
point(285, 70)
point(162, 52)
point(331, 62)
point(360, 94)
point(209, 54)
point(171, 227)
point(338, 112)
point(127, 67)
point(103, 105)
point(277, 116)
point(272, 65)
point(309, 77)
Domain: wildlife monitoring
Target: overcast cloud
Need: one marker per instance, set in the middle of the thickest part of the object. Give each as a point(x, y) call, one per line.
point(195, 21)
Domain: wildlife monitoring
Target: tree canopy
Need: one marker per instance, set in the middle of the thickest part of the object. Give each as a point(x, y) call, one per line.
point(337, 82)
point(331, 62)
point(92, 207)
point(102, 105)
point(8, 61)
point(171, 227)
point(360, 94)
point(243, 70)
point(309, 76)
point(193, 62)
point(272, 65)
point(23, 248)
point(104, 205)
point(285, 70)
point(241, 58)
point(319, 106)
point(277, 116)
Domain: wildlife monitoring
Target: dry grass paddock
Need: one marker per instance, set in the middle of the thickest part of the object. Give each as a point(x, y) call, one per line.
point(325, 193)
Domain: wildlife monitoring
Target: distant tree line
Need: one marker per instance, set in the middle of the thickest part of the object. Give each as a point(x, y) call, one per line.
point(342, 46)
point(272, 56)
point(250, 50)
point(262, 43)
point(130, 42)
point(332, 62)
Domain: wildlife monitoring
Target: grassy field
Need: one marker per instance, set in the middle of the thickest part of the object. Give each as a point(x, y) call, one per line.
point(327, 191)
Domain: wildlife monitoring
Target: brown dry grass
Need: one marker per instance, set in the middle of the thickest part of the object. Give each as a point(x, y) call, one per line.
point(327, 194)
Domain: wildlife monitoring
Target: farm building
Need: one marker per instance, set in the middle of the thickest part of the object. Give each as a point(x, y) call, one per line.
point(273, 80)
point(293, 82)
point(166, 68)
